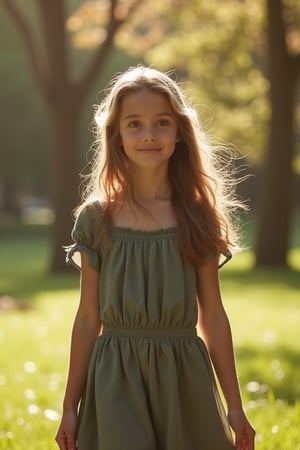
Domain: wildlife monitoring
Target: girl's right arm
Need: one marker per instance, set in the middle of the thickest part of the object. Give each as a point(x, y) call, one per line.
point(86, 328)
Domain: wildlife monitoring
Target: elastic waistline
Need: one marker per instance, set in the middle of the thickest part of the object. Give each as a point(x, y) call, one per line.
point(149, 332)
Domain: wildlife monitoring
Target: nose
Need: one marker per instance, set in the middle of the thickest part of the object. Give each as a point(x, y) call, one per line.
point(149, 135)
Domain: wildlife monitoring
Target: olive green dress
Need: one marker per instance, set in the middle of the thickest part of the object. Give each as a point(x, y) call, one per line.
point(150, 384)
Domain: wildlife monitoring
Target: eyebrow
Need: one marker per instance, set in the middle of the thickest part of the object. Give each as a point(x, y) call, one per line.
point(134, 116)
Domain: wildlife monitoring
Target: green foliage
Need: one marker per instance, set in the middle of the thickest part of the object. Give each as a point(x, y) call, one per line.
point(219, 46)
point(25, 139)
point(34, 338)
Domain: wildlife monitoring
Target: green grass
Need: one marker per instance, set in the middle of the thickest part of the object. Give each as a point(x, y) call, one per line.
point(264, 311)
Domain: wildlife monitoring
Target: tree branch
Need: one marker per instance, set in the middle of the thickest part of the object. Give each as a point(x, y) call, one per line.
point(36, 57)
point(103, 50)
point(53, 24)
point(134, 6)
point(277, 34)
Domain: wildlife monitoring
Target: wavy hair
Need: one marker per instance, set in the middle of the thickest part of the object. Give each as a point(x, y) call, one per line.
point(203, 196)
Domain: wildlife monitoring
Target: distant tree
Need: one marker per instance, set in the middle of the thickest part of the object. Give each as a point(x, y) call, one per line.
point(215, 47)
point(64, 93)
point(220, 47)
point(225, 51)
point(24, 143)
point(277, 187)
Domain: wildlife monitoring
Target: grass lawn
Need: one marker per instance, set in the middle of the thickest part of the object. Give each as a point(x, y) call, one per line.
point(264, 311)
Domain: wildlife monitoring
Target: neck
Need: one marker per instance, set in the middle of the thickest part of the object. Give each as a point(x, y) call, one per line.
point(150, 185)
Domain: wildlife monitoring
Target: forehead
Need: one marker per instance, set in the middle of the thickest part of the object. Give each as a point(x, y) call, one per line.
point(145, 102)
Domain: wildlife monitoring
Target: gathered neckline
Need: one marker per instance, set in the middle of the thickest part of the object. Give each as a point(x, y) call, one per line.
point(137, 232)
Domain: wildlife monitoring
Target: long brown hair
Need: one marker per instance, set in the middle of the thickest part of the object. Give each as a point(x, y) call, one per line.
point(202, 194)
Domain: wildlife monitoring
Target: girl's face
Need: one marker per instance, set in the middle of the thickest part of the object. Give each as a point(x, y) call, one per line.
point(148, 128)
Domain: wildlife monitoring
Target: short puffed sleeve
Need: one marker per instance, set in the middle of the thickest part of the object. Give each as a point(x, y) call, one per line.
point(84, 233)
point(224, 258)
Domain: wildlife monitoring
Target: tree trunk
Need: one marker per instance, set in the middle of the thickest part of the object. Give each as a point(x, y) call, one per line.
point(277, 183)
point(64, 125)
point(64, 99)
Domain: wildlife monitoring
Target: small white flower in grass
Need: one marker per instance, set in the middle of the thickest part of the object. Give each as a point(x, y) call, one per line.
point(54, 382)
point(252, 404)
point(279, 374)
point(263, 388)
point(9, 435)
point(33, 409)
point(253, 386)
point(30, 367)
point(269, 337)
point(275, 364)
point(275, 429)
point(29, 394)
point(51, 415)
point(20, 421)
point(259, 437)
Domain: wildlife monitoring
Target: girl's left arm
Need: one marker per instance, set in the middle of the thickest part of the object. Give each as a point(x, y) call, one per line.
point(216, 332)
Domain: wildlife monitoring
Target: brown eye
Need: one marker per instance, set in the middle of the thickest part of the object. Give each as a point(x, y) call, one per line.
point(134, 124)
point(162, 123)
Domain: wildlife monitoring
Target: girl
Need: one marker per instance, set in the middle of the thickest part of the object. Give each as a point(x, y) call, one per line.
point(149, 234)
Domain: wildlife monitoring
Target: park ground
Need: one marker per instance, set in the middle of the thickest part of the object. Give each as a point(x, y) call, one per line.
point(36, 314)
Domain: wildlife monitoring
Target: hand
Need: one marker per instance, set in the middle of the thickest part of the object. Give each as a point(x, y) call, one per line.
point(244, 433)
point(66, 433)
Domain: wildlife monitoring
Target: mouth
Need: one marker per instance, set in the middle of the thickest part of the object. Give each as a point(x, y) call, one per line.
point(149, 150)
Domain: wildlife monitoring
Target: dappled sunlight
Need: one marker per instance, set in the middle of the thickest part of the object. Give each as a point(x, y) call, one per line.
point(32, 384)
point(273, 371)
point(29, 367)
point(263, 306)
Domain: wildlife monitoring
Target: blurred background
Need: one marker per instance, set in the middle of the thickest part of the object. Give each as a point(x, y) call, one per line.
point(239, 61)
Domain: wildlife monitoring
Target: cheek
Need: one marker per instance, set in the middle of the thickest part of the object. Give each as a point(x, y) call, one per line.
point(175, 137)
point(127, 140)
point(122, 135)
point(130, 135)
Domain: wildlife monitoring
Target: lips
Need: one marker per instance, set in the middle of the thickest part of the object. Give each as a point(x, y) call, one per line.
point(149, 150)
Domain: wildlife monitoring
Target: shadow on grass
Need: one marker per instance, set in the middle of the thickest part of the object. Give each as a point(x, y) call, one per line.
point(24, 290)
point(281, 277)
point(275, 370)
point(24, 264)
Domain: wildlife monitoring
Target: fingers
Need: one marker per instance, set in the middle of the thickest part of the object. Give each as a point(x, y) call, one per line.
point(72, 444)
point(244, 433)
point(66, 442)
point(66, 433)
point(62, 441)
point(244, 440)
